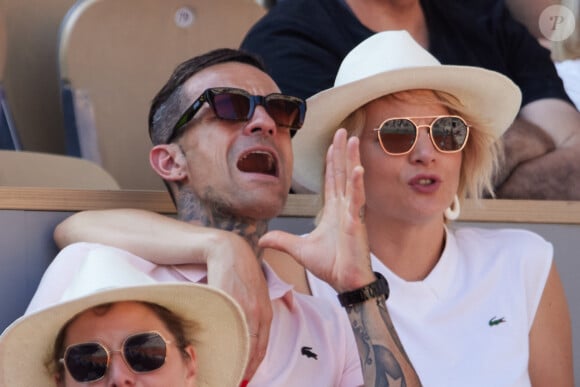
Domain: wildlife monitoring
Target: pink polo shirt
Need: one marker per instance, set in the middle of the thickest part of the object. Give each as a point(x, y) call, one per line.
point(311, 341)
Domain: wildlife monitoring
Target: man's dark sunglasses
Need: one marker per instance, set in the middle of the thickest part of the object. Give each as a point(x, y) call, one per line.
point(238, 105)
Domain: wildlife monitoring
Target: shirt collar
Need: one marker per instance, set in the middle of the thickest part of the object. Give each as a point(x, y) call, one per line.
point(277, 287)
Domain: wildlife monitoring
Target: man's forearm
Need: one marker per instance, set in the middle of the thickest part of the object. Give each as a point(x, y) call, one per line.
point(523, 141)
point(554, 176)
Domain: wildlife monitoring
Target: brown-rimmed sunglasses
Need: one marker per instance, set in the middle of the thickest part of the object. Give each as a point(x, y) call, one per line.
point(398, 136)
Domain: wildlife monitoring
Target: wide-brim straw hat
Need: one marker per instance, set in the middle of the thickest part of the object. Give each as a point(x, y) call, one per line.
point(385, 63)
point(220, 336)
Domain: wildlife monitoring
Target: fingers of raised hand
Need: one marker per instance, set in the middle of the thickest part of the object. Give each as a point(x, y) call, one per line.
point(340, 161)
point(355, 183)
point(344, 173)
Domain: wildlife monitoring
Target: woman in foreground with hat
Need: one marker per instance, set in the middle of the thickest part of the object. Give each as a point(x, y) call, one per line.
point(472, 307)
point(117, 326)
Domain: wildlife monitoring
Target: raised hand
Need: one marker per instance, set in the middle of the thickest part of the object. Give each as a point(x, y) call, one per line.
point(337, 250)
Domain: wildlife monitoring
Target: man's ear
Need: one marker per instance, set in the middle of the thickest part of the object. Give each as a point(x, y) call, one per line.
point(169, 162)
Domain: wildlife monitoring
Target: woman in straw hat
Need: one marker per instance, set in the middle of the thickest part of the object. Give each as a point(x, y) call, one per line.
point(117, 326)
point(472, 307)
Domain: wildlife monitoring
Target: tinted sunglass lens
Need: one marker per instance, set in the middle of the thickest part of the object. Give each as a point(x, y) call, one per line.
point(449, 133)
point(145, 352)
point(231, 106)
point(86, 362)
point(285, 111)
point(397, 135)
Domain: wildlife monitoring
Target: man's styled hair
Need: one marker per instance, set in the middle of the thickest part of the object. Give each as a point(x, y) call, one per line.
point(169, 104)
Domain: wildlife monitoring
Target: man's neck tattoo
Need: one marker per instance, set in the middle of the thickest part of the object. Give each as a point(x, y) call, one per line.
point(217, 215)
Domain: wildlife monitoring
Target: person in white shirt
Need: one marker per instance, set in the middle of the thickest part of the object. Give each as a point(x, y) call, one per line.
point(473, 307)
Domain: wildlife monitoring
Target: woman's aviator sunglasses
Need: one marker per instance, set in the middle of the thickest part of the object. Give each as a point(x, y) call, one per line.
point(398, 136)
point(238, 105)
point(142, 352)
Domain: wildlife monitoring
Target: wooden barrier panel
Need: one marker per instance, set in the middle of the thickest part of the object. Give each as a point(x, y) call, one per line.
point(29, 215)
point(54, 199)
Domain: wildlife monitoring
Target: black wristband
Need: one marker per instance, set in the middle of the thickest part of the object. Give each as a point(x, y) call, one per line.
point(380, 287)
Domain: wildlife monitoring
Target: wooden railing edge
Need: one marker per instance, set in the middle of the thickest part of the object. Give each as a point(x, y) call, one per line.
point(488, 210)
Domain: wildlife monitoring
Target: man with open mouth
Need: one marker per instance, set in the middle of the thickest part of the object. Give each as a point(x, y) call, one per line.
point(222, 131)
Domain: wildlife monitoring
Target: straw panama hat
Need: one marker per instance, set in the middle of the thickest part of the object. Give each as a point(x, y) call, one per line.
point(385, 63)
point(220, 339)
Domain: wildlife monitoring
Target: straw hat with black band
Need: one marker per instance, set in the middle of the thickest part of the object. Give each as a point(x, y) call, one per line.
point(220, 336)
point(386, 63)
